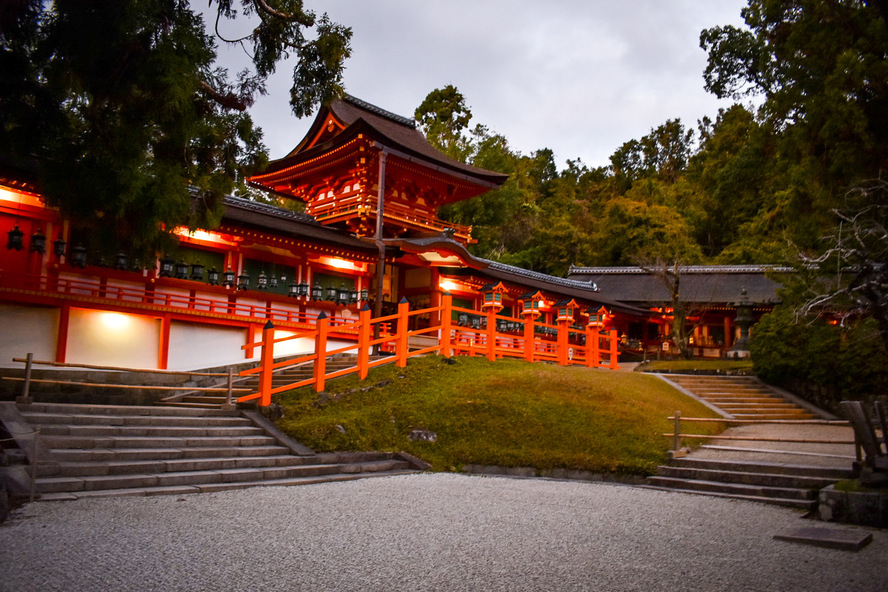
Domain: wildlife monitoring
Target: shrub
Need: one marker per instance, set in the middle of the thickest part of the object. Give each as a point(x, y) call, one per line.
point(819, 361)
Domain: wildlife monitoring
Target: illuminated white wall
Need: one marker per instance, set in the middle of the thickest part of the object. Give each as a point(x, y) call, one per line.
point(28, 329)
point(113, 339)
point(195, 346)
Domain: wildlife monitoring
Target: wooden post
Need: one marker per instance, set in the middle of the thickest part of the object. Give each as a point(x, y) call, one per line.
point(491, 334)
point(267, 361)
point(364, 341)
point(676, 436)
point(561, 343)
point(591, 335)
point(25, 398)
point(596, 348)
point(446, 321)
point(402, 334)
point(320, 366)
point(614, 362)
point(529, 337)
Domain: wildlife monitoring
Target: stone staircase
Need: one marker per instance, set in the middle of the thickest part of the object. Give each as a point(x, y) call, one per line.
point(755, 465)
point(101, 450)
point(794, 486)
point(195, 400)
point(741, 397)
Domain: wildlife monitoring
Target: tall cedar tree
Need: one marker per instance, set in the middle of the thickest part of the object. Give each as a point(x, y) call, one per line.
point(120, 111)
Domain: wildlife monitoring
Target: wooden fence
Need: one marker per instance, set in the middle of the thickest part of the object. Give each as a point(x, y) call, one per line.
point(489, 335)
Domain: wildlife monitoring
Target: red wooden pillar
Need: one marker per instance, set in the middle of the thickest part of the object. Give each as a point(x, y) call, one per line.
point(320, 368)
point(364, 320)
point(403, 332)
point(164, 353)
point(529, 336)
point(591, 336)
point(446, 320)
point(561, 342)
point(62, 339)
point(267, 365)
point(252, 331)
point(728, 337)
point(596, 348)
point(614, 354)
point(491, 334)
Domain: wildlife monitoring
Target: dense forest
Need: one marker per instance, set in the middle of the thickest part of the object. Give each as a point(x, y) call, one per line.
point(756, 185)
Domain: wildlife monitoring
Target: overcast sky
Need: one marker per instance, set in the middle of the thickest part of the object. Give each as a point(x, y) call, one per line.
point(580, 77)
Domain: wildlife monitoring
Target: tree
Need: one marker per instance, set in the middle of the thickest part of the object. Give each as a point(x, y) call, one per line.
point(119, 108)
point(857, 255)
point(444, 117)
point(820, 68)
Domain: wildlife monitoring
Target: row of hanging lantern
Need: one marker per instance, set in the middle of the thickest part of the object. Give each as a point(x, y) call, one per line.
point(16, 242)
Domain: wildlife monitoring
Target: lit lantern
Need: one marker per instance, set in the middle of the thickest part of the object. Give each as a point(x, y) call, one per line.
point(493, 296)
point(166, 267)
point(294, 290)
point(342, 294)
point(331, 294)
point(353, 296)
point(303, 289)
point(317, 292)
point(78, 256)
point(228, 278)
point(365, 295)
point(597, 318)
point(182, 270)
point(197, 272)
point(121, 262)
point(243, 281)
point(38, 242)
point(16, 239)
point(213, 276)
point(262, 281)
point(273, 281)
point(565, 309)
point(59, 247)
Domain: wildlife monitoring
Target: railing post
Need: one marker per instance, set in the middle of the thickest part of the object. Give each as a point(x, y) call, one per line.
point(491, 334)
point(25, 398)
point(266, 362)
point(529, 337)
point(590, 337)
point(561, 343)
point(614, 362)
point(676, 434)
point(446, 321)
point(402, 334)
point(596, 348)
point(320, 366)
point(365, 320)
point(228, 405)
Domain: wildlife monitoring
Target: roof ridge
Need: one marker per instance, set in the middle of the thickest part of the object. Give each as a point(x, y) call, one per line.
point(399, 119)
point(249, 204)
point(751, 268)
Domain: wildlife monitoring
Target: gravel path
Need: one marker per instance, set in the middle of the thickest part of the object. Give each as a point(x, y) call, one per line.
point(424, 532)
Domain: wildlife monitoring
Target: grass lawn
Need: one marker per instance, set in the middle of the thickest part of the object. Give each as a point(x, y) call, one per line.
point(508, 413)
point(684, 365)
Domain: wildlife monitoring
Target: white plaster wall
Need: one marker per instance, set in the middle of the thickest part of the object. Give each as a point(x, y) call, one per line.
point(28, 329)
point(194, 346)
point(113, 339)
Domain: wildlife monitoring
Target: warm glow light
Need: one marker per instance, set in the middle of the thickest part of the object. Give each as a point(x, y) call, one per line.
point(201, 235)
point(114, 321)
point(20, 197)
point(341, 263)
point(449, 286)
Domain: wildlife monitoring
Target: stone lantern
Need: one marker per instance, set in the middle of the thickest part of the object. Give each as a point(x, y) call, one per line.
point(743, 320)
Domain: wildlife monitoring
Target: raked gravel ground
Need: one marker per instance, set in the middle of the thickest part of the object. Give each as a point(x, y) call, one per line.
point(424, 532)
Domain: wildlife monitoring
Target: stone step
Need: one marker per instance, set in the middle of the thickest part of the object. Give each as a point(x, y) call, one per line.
point(808, 498)
point(745, 477)
point(773, 416)
point(205, 477)
point(143, 454)
point(814, 471)
point(122, 410)
point(156, 431)
point(169, 465)
point(787, 503)
point(154, 442)
point(211, 487)
point(44, 419)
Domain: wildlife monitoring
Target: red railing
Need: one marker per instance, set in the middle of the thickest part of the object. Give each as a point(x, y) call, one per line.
point(570, 345)
point(162, 297)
